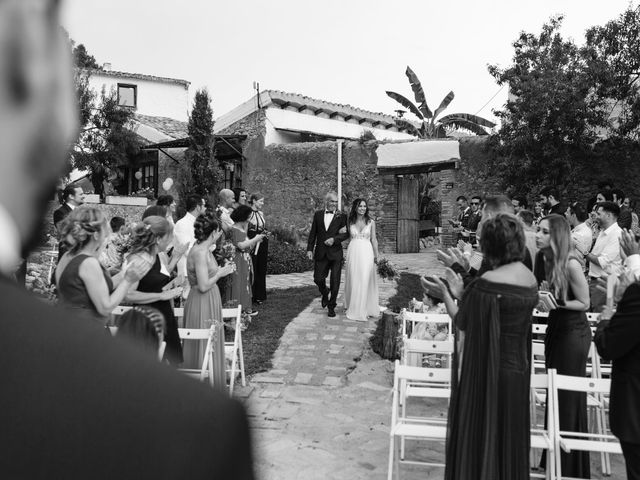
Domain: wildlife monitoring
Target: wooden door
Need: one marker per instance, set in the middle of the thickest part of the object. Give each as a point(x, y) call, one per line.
point(408, 214)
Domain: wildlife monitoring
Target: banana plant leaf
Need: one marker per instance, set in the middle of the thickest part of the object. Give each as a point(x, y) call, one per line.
point(444, 104)
point(416, 86)
point(483, 122)
point(410, 127)
point(406, 103)
point(462, 123)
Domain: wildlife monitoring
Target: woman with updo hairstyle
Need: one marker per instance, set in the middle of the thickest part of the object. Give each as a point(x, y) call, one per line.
point(242, 279)
point(156, 289)
point(488, 422)
point(259, 255)
point(83, 283)
point(143, 327)
point(239, 197)
point(204, 305)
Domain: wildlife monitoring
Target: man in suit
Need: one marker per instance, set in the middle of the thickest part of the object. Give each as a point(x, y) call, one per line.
point(77, 404)
point(618, 339)
point(72, 197)
point(328, 231)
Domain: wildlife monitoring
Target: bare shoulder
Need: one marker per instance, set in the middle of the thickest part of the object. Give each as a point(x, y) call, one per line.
point(515, 273)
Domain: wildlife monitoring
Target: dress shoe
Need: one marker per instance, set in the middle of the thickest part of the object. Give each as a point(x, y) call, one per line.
point(325, 300)
point(332, 312)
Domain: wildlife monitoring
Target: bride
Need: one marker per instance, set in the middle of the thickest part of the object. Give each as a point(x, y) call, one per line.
point(361, 281)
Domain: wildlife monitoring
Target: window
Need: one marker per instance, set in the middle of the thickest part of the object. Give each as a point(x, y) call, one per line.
point(127, 95)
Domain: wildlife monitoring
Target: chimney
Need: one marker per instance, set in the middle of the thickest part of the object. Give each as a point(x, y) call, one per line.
point(106, 67)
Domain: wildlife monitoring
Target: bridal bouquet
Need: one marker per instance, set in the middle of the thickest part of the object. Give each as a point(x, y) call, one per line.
point(386, 269)
point(227, 252)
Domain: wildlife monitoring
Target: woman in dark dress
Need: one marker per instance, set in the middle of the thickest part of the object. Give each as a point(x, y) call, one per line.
point(156, 289)
point(259, 254)
point(568, 335)
point(83, 283)
point(488, 435)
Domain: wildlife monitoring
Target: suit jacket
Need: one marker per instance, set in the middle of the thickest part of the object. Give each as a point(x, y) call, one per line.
point(319, 234)
point(618, 340)
point(61, 213)
point(78, 404)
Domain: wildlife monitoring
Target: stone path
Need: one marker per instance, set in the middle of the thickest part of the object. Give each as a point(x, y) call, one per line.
point(323, 410)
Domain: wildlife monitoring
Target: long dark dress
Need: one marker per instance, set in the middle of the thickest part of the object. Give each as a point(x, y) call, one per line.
point(566, 348)
point(153, 282)
point(239, 288)
point(73, 292)
point(259, 258)
point(488, 435)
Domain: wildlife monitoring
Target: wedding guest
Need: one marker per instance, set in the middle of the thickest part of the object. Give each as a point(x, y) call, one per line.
point(143, 326)
point(112, 255)
point(184, 235)
point(488, 421)
point(156, 289)
point(581, 233)
point(239, 197)
point(168, 202)
point(204, 305)
point(624, 219)
point(84, 284)
point(81, 405)
point(72, 197)
point(526, 217)
point(178, 250)
point(226, 198)
point(635, 226)
point(474, 218)
point(519, 203)
point(537, 213)
point(551, 202)
point(242, 278)
point(568, 336)
point(259, 255)
point(604, 258)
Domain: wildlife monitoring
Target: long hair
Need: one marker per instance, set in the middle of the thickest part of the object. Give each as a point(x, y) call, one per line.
point(143, 325)
point(78, 227)
point(353, 214)
point(556, 267)
point(205, 225)
point(145, 234)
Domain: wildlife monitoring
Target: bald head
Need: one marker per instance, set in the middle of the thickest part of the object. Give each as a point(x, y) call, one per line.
point(226, 197)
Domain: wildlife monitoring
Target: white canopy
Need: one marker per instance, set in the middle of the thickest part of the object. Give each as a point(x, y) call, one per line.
point(409, 154)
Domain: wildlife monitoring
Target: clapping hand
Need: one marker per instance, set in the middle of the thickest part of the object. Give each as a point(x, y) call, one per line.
point(172, 293)
point(466, 247)
point(434, 287)
point(138, 267)
point(628, 244)
point(456, 284)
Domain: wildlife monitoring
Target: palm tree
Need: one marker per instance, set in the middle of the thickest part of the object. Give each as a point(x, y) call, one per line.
point(432, 127)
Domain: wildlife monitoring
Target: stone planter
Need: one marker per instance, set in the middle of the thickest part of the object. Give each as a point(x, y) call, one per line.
point(121, 200)
point(91, 198)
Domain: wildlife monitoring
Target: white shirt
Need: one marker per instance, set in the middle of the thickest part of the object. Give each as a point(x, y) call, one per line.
point(184, 233)
point(9, 243)
point(582, 237)
point(328, 218)
point(607, 249)
point(225, 217)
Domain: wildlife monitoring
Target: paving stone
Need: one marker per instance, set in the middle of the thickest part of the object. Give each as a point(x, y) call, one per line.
point(373, 386)
point(271, 393)
point(332, 381)
point(278, 372)
point(328, 337)
point(266, 379)
point(303, 377)
point(351, 329)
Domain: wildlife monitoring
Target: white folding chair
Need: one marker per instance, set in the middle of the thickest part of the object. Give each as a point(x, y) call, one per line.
point(568, 440)
point(542, 438)
point(413, 428)
point(235, 348)
point(539, 328)
point(413, 318)
point(199, 334)
point(161, 348)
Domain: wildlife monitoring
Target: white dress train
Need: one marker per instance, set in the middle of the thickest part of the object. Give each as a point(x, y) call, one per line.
point(361, 280)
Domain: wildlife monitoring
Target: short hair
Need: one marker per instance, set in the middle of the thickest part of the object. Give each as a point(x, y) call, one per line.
point(618, 193)
point(607, 194)
point(241, 214)
point(332, 193)
point(236, 193)
point(165, 200)
point(550, 192)
point(205, 225)
point(68, 191)
point(610, 207)
point(116, 223)
point(576, 209)
point(503, 240)
point(498, 204)
point(526, 216)
point(461, 197)
point(193, 202)
point(522, 202)
point(154, 211)
point(477, 197)
point(255, 197)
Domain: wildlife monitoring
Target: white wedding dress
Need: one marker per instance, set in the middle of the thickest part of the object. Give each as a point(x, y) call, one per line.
point(361, 280)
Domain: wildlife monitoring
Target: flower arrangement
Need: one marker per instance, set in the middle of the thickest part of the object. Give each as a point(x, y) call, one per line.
point(227, 251)
point(144, 192)
point(386, 269)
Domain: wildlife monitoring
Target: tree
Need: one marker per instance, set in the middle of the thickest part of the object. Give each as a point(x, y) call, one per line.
point(549, 122)
point(431, 127)
point(203, 175)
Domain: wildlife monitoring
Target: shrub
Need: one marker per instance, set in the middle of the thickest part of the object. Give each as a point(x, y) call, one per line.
point(287, 258)
point(285, 234)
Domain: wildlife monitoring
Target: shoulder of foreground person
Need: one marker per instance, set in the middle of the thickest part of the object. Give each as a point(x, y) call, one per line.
point(80, 404)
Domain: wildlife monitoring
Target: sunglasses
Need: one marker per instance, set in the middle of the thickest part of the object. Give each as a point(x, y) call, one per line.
point(475, 203)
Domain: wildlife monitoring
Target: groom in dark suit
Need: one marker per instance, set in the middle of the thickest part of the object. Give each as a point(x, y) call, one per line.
point(328, 231)
point(77, 404)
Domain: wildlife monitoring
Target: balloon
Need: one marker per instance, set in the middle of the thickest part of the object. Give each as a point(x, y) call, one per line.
point(138, 175)
point(167, 184)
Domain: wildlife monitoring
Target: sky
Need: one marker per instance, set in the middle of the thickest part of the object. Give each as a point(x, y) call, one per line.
point(343, 51)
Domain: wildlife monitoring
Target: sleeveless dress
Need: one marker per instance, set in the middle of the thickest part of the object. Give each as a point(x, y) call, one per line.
point(153, 282)
point(259, 258)
point(242, 278)
point(199, 310)
point(361, 280)
point(73, 292)
point(488, 436)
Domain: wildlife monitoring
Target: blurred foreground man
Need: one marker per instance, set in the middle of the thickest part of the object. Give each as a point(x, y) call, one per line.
point(75, 403)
